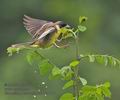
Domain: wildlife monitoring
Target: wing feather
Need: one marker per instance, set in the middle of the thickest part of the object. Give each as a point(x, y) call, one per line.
point(35, 26)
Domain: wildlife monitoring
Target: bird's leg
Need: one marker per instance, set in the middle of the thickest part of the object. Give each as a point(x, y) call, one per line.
point(56, 45)
point(59, 40)
point(61, 46)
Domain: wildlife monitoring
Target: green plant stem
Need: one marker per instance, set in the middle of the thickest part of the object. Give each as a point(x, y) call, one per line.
point(76, 70)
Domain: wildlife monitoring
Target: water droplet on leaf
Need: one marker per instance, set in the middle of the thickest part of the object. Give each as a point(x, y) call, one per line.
point(43, 83)
point(46, 86)
point(39, 90)
point(34, 96)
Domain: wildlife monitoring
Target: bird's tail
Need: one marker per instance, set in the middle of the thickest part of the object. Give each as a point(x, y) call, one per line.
point(22, 45)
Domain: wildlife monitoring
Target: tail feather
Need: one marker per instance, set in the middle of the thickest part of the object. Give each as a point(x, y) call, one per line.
point(22, 45)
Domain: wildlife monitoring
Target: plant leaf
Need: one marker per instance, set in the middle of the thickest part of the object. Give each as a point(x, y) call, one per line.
point(68, 84)
point(56, 71)
point(98, 92)
point(82, 19)
point(67, 96)
point(83, 81)
point(66, 73)
point(107, 84)
point(45, 67)
point(106, 92)
point(11, 50)
point(82, 28)
point(74, 63)
point(34, 57)
point(105, 89)
point(102, 59)
point(91, 58)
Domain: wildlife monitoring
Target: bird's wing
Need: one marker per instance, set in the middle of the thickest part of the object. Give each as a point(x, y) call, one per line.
point(35, 26)
point(49, 31)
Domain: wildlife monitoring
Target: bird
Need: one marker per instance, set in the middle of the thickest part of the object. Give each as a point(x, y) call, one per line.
point(44, 33)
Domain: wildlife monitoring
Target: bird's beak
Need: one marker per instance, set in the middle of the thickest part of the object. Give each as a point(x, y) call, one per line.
point(68, 26)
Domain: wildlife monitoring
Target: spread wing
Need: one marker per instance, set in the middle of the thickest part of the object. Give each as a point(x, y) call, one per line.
point(49, 31)
point(36, 26)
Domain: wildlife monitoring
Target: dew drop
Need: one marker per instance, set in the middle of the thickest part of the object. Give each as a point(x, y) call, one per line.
point(43, 83)
point(39, 90)
point(45, 95)
point(46, 86)
point(34, 96)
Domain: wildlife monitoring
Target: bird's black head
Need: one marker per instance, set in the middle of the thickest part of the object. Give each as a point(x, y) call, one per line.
point(62, 24)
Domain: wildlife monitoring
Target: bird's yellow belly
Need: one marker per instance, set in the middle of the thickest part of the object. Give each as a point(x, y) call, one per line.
point(47, 43)
point(54, 37)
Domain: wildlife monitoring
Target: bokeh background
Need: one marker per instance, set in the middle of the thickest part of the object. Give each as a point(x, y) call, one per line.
point(102, 37)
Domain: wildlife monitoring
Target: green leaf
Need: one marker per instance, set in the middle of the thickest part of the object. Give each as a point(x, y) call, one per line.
point(82, 56)
point(118, 62)
point(88, 97)
point(65, 33)
point(44, 64)
point(16, 48)
point(56, 71)
point(11, 50)
point(83, 97)
point(99, 97)
point(83, 81)
point(102, 59)
point(67, 96)
point(82, 19)
point(68, 84)
point(66, 73)
point(91, 58)
point(106, 92)
point(88, 89)
point(82, 28)
point(45, 67)
point(51, 77)
point(105, 89)
point(113, 61)
point(99, 92)
point(107, 84)
point(34, 57)
point(74, 63)
point(105, 60)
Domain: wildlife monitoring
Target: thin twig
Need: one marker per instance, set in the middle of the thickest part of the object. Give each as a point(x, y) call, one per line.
point(76, 69)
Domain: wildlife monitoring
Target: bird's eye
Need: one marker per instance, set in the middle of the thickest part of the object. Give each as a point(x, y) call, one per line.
point(63, 25)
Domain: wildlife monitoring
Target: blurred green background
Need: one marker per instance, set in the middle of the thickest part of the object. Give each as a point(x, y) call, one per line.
point(101, 37)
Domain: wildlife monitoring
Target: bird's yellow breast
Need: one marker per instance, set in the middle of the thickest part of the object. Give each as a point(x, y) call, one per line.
point(54, 37)
point(50, 40)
